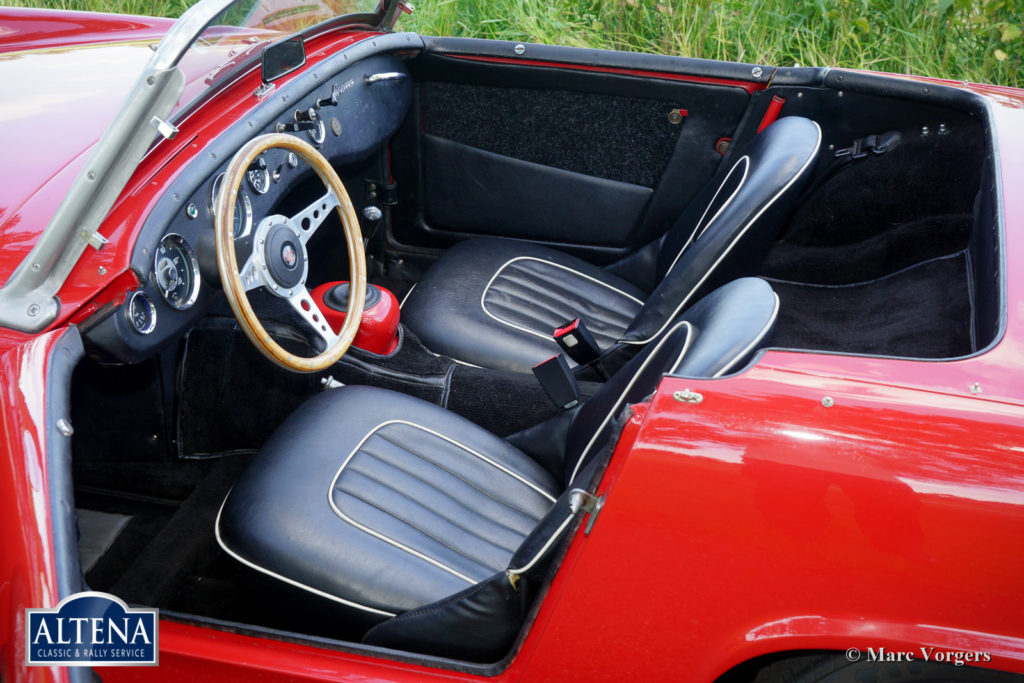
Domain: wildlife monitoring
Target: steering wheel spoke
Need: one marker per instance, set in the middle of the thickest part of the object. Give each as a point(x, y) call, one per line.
point(279, 259)
point(250, 273)
point(306, 307)
point(312, 217)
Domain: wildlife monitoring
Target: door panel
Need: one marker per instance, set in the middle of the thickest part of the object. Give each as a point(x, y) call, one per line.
point(583, 158)
point(483, 193)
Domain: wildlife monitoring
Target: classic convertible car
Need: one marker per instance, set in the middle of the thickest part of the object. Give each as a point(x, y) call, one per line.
point(361, 354)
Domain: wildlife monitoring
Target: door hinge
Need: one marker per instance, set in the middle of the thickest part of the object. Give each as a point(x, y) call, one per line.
point(580, 499)
point(687, 396)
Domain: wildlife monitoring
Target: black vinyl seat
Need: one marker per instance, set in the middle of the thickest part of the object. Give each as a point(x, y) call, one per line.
point(396, 512)
point(495, 302)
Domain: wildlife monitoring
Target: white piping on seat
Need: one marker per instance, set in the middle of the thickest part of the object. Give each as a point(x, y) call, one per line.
point(549, 263)
point(540, 553)
point(462, 362)
point(747, 349)
point(698, 231)
point(406, 297)
point(810, 159)
point(636, 375)
point(292, 582)
point(397, 544)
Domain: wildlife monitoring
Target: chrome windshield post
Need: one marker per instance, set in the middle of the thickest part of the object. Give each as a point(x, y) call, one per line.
point(28, 301)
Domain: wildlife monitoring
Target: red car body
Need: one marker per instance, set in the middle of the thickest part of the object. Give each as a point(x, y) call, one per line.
point(813, 502)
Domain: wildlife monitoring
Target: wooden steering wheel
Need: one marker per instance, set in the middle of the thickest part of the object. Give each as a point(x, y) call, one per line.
point(279, 260)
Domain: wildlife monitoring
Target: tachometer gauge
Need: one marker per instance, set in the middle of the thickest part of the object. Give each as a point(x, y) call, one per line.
point(177, 271)
point(243, 209)
point(141, 313)
point(258, 176)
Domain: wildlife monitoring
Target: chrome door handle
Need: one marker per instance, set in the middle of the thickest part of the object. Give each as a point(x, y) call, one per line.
point(385, 76)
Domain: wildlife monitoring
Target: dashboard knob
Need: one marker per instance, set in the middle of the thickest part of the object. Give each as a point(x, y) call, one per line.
point(309, 115)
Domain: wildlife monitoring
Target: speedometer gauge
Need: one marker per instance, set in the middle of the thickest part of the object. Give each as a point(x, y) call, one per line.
point(177, 271)
point(243, 209)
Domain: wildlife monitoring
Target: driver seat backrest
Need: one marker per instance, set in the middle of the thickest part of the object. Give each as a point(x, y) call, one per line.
point(714, 337)
point(727, 230)
point(494, 302)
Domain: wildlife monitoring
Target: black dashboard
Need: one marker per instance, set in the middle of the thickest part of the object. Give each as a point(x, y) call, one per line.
point(344, 106)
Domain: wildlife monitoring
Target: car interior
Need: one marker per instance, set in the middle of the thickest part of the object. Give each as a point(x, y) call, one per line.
point(669, 216)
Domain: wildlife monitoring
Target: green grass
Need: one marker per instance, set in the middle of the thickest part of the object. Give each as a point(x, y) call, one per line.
point(150, 8)
point(977, 40)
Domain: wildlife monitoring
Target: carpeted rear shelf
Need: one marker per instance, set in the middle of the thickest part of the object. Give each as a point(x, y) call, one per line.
point(923, 311)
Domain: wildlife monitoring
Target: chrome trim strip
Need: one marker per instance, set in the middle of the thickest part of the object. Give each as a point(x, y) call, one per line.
point(28, 301)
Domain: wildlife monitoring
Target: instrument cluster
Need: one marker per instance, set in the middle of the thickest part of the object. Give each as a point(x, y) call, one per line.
point(348, 117)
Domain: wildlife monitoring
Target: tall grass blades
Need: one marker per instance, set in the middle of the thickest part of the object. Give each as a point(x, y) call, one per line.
point(976, 40)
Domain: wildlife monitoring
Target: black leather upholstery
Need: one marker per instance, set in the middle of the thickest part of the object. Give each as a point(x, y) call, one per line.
point(410, 515)
point(727, 230)
point(494, 302)
point(384, 501)
point(523, 199)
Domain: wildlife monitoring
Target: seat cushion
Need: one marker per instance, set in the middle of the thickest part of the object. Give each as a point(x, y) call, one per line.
point(496, 302)
point(383, 502)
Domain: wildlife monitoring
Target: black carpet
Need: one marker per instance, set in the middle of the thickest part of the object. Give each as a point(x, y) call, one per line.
point(502, 402)
point(231, 397)
point(874, 260)
point(156, 572)
point(559, 128)
point(923, 311)
point(873, 257)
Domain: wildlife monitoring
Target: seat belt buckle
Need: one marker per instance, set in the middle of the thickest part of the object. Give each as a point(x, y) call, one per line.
point(558, 381)
point(577, 342)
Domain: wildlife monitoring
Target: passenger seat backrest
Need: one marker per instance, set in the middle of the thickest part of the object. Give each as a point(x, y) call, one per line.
point(482, 621)
point(709, 340)
point(729, 227)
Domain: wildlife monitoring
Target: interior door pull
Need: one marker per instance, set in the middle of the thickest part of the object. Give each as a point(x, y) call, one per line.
point(385, 76)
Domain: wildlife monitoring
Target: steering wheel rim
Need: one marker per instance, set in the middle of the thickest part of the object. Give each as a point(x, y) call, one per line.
point(295, 232)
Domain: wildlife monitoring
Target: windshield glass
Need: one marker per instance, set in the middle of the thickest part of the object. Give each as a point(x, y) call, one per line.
point(238, 35)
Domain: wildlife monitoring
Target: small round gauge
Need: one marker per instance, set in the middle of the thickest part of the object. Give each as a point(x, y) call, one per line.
point(243, 209)
point(177, 271)
point(141, 313)
point(318, 134)
point(258, 176)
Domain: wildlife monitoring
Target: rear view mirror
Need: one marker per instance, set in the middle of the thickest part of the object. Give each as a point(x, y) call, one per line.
point(282, 58)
